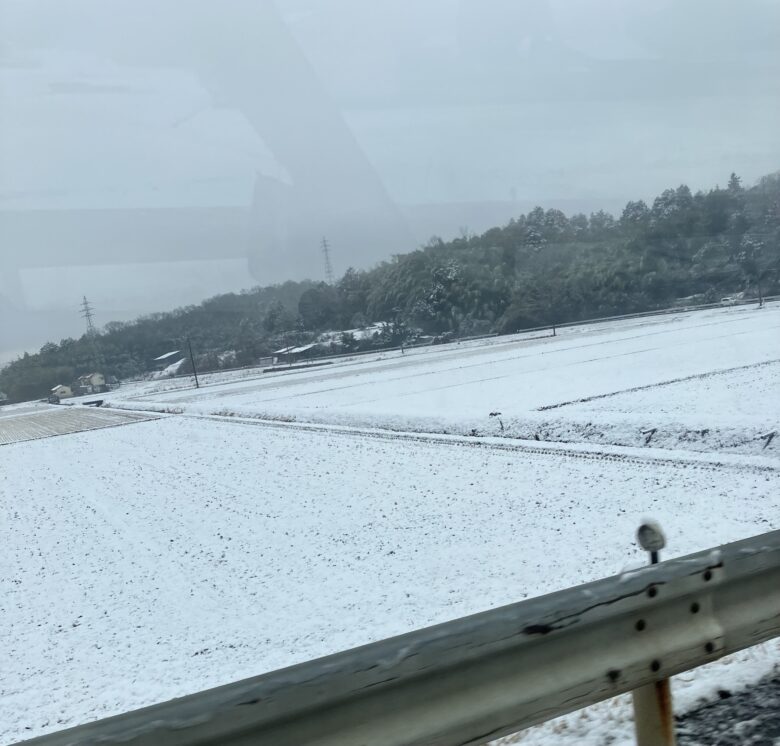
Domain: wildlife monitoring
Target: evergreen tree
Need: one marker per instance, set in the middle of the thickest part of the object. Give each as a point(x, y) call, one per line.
point(540, 268)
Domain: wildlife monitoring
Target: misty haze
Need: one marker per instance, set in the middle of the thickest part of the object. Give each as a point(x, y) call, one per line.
point(223, 144)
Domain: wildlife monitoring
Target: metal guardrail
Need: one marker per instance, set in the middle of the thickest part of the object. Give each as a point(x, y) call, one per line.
point(477, 678)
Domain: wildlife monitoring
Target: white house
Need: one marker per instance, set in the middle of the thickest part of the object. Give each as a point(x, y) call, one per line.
point(91, 383)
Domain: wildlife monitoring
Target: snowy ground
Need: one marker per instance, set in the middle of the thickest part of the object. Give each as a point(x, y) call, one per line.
point(750, 718)
point(715, 371)
point(31, 423)
point(144, 562)
point(200, 551)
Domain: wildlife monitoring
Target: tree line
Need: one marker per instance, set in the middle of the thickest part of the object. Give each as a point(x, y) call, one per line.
point(542, 268)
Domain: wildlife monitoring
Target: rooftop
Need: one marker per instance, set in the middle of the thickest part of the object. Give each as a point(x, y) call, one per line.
point(167, 355)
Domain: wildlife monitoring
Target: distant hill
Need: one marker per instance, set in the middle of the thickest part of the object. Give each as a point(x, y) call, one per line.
point(541, 267)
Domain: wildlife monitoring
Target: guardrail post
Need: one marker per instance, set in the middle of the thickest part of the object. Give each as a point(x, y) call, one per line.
point(653, 715)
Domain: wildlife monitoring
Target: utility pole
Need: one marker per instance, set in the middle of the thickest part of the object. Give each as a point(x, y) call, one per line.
point(755, 248)
point(328, 265)
point(758, 281)
point(192, 360)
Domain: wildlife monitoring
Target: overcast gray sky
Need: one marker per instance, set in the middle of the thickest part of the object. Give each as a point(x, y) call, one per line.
point(154, 153)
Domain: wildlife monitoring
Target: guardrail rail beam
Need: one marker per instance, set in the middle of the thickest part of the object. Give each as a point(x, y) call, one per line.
point(483, 676)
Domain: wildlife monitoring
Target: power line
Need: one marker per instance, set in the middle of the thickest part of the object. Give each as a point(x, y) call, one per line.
point(328, 265)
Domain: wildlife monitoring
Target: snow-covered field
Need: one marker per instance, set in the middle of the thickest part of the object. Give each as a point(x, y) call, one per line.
point(147, 561)
point(31, 423)
point(714, 371)
point(200, 551)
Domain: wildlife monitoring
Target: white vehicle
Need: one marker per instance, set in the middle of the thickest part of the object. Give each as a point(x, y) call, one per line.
point(729, 300)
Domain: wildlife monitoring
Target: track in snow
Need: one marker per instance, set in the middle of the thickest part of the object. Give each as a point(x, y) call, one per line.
point(528, 448)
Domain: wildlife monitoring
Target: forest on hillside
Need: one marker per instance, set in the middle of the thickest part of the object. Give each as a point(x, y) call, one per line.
point(541, 268)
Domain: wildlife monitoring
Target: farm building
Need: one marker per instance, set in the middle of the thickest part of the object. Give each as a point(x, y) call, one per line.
point(90, 383)
point(294, 354)
point(166, 359)
point(60, 391)
point(366, 332)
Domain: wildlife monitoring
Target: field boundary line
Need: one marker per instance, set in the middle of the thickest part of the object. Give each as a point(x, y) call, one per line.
point(599, 452)
point(681, 379)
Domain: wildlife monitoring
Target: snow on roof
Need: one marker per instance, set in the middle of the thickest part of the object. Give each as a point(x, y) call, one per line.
point(294, 350)
point(170, 370)
point(174, 367)
point(167, 355)
point(59, 386)
point(364, 332)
